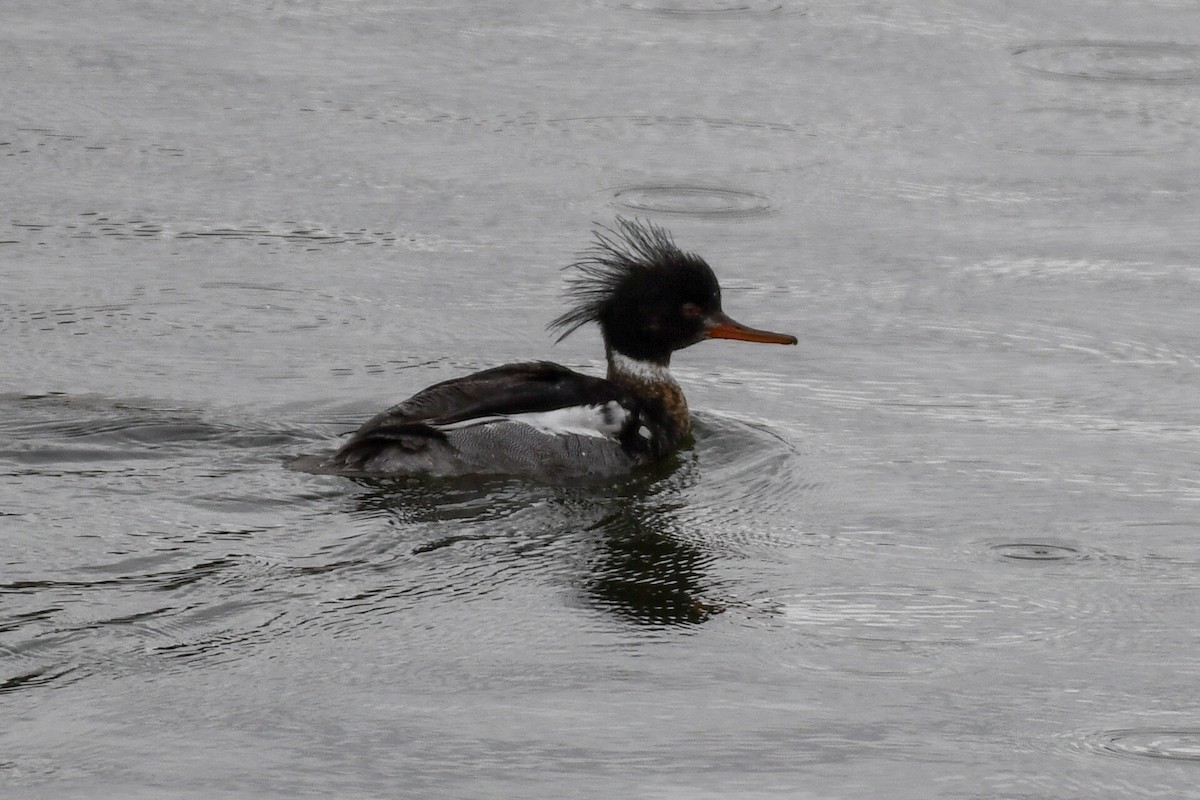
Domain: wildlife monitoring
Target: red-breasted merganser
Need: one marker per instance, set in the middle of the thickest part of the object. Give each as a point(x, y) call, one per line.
point(545, 421)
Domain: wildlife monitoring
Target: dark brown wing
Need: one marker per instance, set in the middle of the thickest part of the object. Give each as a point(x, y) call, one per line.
point(510, 389)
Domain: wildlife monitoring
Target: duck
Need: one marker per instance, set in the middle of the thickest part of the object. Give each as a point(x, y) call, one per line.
point(546, 421)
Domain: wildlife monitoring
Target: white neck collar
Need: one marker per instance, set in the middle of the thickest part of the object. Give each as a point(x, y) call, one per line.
point(640, 371)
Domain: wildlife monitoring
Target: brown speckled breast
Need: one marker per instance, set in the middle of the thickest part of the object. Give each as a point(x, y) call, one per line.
point(665, 404)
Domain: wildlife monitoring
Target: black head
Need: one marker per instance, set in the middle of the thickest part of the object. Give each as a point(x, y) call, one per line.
point(649, 297)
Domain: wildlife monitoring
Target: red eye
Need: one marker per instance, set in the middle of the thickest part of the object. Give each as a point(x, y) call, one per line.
point(691, 310)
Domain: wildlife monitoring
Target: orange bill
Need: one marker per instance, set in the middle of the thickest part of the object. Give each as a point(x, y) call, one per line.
point(720, 326)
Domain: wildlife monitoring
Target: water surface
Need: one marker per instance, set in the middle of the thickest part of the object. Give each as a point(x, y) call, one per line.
point(945, 548)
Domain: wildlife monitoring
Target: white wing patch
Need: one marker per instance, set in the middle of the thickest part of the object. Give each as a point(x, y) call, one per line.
point(602, 421)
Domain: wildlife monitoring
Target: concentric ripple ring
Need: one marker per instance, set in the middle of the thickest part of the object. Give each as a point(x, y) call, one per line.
point(1035, 551)
point(692, 200)
point(1112, 61)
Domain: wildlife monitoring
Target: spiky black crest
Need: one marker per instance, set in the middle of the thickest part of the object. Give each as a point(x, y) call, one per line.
point(619, 256)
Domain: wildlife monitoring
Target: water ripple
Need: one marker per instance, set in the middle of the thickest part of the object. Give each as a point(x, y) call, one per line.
point(903, 630)
point(71, 425)
point(1029, 551)
point(313, 236)
point(1096, 131)
point(1168, 744)
point(1111, 61)
point(686, 199)
point(34, 678)
point(746, 482)
point(706, 8)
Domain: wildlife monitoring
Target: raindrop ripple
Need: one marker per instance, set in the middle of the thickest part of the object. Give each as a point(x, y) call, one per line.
point(686, 199)
point(1111, 61)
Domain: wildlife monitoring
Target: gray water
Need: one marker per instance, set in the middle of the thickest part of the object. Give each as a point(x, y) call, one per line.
point(946, 548)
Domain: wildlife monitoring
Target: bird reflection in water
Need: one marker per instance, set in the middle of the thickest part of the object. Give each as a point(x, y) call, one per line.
point(645, 571)
point(637, 561)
